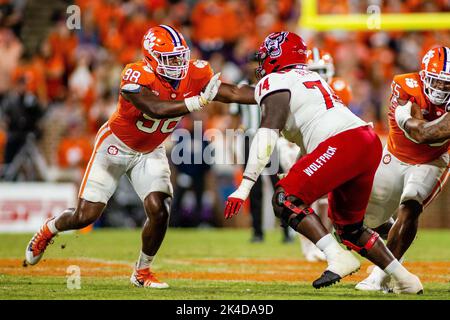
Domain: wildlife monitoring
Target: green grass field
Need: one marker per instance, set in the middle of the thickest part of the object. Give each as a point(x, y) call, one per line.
point(200, 264)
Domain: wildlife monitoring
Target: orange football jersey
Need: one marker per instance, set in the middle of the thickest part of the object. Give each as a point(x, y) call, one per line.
point(139, 131)
point(405, 87)
point(342, 89)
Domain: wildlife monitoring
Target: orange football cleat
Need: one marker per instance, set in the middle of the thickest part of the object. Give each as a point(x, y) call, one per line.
point(147, 279)
point(38, 244)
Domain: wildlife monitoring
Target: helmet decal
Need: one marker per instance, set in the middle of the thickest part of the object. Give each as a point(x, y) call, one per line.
point(426, 58)
point(149, 41)
point(174, 34)
point(273, 43)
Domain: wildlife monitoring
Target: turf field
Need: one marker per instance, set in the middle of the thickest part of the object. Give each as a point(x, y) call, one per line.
point(200, 264)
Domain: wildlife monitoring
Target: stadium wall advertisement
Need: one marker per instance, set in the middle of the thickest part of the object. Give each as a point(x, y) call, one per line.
point(24, 206)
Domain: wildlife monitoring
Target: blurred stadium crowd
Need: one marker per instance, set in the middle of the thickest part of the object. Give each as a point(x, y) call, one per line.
point(54, 96)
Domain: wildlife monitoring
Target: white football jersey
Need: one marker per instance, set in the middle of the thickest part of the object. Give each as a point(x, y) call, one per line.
point(316, 113)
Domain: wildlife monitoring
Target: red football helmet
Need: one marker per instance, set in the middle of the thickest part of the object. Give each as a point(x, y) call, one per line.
point(278, 51)
point(435, 76)
point(166, 52)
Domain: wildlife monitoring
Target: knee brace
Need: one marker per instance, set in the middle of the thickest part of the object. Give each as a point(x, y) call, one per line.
point(284, 209)
point(350, 235)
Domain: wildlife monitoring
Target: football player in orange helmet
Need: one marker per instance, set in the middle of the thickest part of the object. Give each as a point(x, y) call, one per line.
point(435, 76)
point(321, 62)
point(155, 94)
point(414, 166)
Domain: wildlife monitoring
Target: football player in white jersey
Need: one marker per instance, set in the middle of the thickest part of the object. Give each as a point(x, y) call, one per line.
point(341, 155)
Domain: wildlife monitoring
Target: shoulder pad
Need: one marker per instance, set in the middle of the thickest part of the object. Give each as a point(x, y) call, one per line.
point(200, 69)
point(138, 73)
point(410, 83)
point(271, 83)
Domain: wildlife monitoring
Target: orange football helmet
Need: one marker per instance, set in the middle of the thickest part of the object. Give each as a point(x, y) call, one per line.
point(435, 75)
point(166, 52)
point(321, 62)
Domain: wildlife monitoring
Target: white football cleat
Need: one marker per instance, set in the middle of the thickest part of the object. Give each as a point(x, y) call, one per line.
point(146, 279)
point(378, 280)
point(310, 250)
point(340, 265)
point(408, 285)
point(37, 245)
point(343, 263)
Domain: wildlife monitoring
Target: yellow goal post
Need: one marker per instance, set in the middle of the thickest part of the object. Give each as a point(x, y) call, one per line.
point(373, 20)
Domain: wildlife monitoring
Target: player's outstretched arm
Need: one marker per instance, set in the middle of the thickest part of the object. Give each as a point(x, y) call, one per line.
point(275, 110)
point(229, 93)
point(151, 105)
point(429, 132)
point(146, 101)
point(420, 130)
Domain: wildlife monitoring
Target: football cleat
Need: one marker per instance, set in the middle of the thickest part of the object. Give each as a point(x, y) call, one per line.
point(146, 279)
point(378, 280)
point(409, 285)
point(340, 265)
point(310, 250)
point(327, 278)
point(37, 245)
point(315, 255)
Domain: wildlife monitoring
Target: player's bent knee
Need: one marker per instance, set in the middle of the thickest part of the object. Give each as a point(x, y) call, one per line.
point(277, 208)
point(87, 213)
point(83, 217)
point(157, 207)
point(352, 237)
point(410, 209)
point(290, 209)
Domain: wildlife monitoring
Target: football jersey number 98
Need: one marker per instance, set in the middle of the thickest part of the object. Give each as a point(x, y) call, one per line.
point(167, 126)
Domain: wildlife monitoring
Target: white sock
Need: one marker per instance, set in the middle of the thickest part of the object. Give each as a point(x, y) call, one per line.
point(52, 227)
point(378, 274)
point(144, 261)
point(328, 245)
point(396, 270)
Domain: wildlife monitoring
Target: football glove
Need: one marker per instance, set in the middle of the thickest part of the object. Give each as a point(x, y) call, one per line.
point(237, 198)
point(206, 96)
point(402, 115)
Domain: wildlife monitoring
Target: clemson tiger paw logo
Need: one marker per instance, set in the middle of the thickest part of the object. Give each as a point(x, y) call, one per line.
point(200, 63)
point(411, 83)
point(113, 150)
point(149, 41)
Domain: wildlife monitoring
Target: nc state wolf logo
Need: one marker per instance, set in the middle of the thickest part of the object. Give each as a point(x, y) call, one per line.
point(273, 43)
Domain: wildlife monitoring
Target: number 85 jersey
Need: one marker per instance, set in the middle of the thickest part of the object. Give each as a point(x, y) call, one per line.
point(139, 131)
point(316, 112)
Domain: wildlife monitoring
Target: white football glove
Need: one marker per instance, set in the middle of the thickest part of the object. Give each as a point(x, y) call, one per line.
point(403, 114)
point(198, 102)
point(243, 190)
